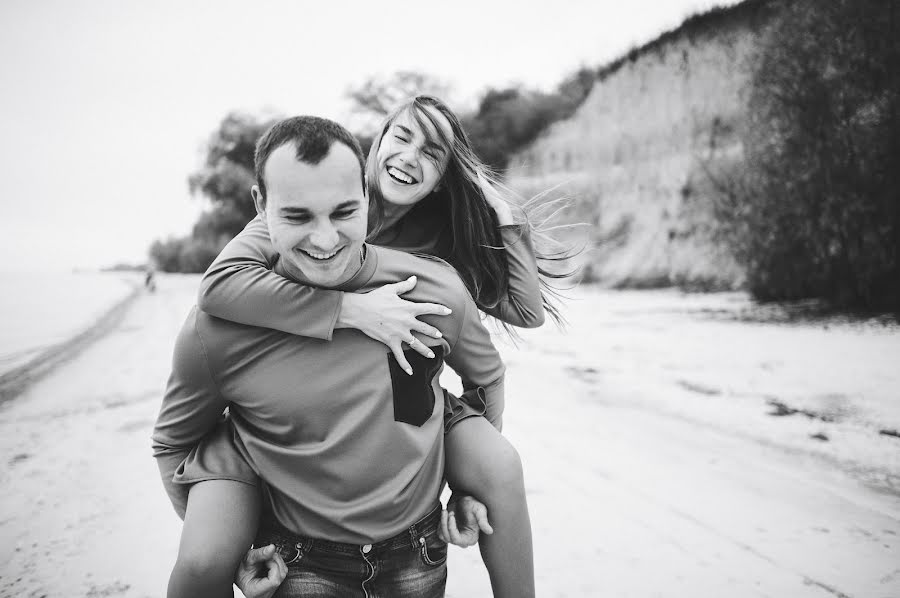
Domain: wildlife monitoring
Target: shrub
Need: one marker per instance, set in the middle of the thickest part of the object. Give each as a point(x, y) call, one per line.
point(814, 208)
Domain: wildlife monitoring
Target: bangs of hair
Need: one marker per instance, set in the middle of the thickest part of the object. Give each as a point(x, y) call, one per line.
point(432, 130)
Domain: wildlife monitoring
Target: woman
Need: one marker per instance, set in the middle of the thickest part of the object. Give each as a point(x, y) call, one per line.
point(428, 193)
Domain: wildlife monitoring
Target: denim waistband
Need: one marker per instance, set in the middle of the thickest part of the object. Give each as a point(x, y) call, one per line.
point(273, 533)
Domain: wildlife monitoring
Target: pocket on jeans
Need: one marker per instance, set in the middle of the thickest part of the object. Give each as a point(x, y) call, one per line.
point(413, 394)
point(291, 554)
point(433, 550)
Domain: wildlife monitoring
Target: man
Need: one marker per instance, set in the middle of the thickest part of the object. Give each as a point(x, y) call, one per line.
point(349, 446)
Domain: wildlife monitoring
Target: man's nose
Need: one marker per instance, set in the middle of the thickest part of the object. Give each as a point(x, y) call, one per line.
point(324, 237)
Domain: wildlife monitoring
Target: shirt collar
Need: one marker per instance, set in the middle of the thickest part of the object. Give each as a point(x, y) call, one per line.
point(354, 283)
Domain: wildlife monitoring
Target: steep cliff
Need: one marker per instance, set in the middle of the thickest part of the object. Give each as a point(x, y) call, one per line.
point(634, 157)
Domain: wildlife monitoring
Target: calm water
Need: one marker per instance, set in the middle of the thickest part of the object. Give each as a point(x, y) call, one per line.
point(38, 310)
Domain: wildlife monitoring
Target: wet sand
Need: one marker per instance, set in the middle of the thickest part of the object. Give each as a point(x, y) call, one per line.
point(654, 463)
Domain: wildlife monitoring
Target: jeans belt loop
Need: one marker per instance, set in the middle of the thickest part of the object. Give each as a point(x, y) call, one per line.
point(413, 537)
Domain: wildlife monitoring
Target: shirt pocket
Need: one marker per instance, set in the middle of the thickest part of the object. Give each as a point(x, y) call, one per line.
point(414, 394)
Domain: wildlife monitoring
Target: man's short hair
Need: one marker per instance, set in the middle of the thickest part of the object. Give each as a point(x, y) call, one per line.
point(313, 138)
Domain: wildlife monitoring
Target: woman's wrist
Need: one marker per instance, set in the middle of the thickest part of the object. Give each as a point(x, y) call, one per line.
point(348, 310)
point(503, 212)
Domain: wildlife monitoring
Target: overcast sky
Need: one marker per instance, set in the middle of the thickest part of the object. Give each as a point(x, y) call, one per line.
point(106, 105)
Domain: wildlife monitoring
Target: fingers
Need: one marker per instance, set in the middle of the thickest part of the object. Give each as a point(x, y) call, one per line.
point(460, 539)
point(420, 348)
point(414, 344)
point(482, 520)
point(452, 531)
point(256, 556)
point(443, 532)
point(436, 309)
point(277, 570)
point(397, 350)
point(423, 328)
point(404, 286)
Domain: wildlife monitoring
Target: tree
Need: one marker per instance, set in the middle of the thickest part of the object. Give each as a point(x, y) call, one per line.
point(574, 89)
point(814, 210)
point(509, 119)
point(224, 180)
point(372, 101)
point(227, 175)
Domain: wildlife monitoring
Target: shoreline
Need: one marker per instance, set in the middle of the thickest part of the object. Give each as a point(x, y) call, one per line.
point(15, 381)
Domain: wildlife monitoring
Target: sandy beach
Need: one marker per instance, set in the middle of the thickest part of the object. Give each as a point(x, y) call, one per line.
point(673, 446)
point(47, 317)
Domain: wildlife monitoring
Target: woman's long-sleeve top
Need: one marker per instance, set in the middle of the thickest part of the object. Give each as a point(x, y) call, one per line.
point(244, 269)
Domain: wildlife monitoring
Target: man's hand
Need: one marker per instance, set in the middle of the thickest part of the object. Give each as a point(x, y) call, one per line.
point(261, 572)
point(463, 520)
point(388, 318)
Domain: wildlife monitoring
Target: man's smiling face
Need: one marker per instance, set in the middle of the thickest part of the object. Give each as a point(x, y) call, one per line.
point(316, 214)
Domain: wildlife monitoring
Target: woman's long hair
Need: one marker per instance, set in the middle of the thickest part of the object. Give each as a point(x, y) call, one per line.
point(476, 247)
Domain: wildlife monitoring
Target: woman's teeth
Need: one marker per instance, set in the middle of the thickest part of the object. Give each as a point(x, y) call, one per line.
point(400, 176)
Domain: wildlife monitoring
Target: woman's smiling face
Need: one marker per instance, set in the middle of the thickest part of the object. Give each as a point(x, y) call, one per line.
point(411, 160)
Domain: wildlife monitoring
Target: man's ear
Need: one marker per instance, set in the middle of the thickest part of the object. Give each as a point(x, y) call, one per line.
point(259, 201)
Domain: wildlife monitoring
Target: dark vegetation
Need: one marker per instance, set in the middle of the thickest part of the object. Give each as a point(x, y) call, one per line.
point(750, 14)
point(813, 209)
point(224, 180)
point(508, 120)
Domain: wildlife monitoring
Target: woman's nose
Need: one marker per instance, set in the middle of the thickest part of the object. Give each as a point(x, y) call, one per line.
point(410, 155)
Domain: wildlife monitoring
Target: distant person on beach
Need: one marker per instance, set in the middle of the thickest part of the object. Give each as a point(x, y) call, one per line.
point(149, 280)
point(349, 446)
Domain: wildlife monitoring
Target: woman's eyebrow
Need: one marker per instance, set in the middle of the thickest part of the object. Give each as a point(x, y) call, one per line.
point(404, 129)
point(435, 146)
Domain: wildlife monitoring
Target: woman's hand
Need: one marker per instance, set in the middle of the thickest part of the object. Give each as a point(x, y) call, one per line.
point(388, 318)
point(497, 203)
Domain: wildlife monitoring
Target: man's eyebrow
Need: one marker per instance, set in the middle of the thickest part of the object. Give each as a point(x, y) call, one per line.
point(350, 203)
point(294, 210)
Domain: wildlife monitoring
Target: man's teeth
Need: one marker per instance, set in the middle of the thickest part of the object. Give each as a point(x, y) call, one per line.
point(400, 175)
point(320, 256)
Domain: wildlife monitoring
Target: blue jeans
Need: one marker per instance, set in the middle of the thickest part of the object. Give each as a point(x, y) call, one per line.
point(411, 564)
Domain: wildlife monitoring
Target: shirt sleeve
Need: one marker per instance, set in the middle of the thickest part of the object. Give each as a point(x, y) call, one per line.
point(522, 306)
point(240, 286)
point(477, 362)
point(191, 408)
